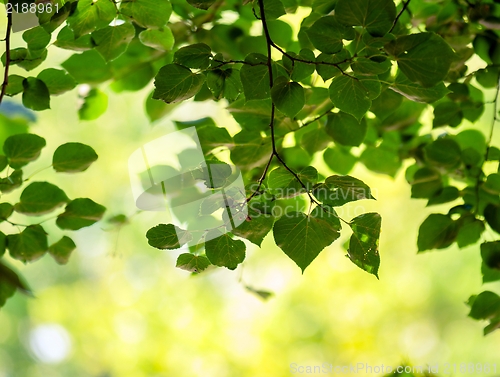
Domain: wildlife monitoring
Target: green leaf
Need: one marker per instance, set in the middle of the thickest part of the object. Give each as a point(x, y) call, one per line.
point(147, 13)
point(326, 34)
point(225, 83)
point(447, 113)
point(162, 40)
point(40, 198)
point(255, 81)
point(94, 105)
point(195, 56)
point(251, 149)
point(264, 295)
point(416, 92)
point(192, 263)
point(332, 64)
point(80, 213)
point(36, 38)
point(112, 41)
point(470, 233)
point(370, 67)
point(15, 85)
point(339, 160)
point(167, 236)
point(445, 195)
point(424, 58)
point(341, 189)
point(73, 157)
point(492, 216)
point(426, 183)
point(436, 232)
point(90, 14)
point(176, 83)
point(36, 95)
point(363, 244)
point(201, 4)
point(443, 152)
point(88, 67)
point(21, 149)
point(345, 129)
point(12, 182)
point(376, 16)
point(350, 96)
point(255, 227)
point(62, 249)
point(223, 251)
point(29, 245)
point(381, 160)
point(66, 39)
point(283, 184)
point(6, 210)
point(485, 306)
point(56, 80)
point(302, 237)
point(4, 162)
point(490, 253)
point(9, 281)
point(273, 9)
point(315, 140)
point(302, 70)
point(288, 96)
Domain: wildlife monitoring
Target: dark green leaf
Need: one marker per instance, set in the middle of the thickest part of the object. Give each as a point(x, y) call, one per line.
point(6, 210)
point(485, 306)
point(56, 80)
point(436, 232)
point(443, 152)
point(15, 85)
point(147, 13)
point(223, 251)
point(470, 233)
point(29, 245)
point(283, 184)
point(326, 34)
point(255, 227)
point(36, 95)
point(345, 129)
point(194, 56)
point(302, 237)
point(167, 236)
point(381, 160)
point(288, 96)
point(341, 189)
point(255, 81)
point(424, 58)
point(40, 198)
point(80, 213)
point(192, 263)
point(201, 4)
point(73, 157)
point(176, 83)
point(339, 160)
point(492, 216)
point(445, 195)
point(363, 245)
point(350, 96)
point(12, 182)
point(9, 281)
point(251, 149)
point(416, 92)
point(94, 105)
point(22, 148)
point(62, 249)
point(426, 183)
point(376, 16)
point(490, 253)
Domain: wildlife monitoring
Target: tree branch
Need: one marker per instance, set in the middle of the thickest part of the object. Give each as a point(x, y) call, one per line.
point(405, 5)
point(7, 56)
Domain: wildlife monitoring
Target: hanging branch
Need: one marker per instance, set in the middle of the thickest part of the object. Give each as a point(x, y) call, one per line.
point(7, 56)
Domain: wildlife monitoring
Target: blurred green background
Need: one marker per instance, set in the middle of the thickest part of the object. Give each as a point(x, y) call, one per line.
point(121, 308)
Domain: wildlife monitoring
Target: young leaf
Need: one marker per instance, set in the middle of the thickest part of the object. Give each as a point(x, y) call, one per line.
point(345, 129)
point(40, 198)
point(194, 56)
point(223, 251)
point(376, 16)
point(73, 157)
point(62, 249)
point(22, 148)
point(175, 83)
point(80, 213)
point(288, 96)
point(302, 237)
point(350, 96)
point(56, 80)
point(436, 232)
point(424, 58)
point(167, 236)
point(29, 245)
point(363, 245)
point(36, 95)
point(192, 263)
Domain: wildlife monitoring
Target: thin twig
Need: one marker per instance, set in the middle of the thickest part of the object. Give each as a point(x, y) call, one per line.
point(7, 56)
point(405, 5)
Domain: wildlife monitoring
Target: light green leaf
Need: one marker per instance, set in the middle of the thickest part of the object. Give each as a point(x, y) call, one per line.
point(303, 237)
point(112, 41)
point(88, 67)
point(15, 85)
point(167, 236)
point(29, 245)
point(36, 95)
point(196, 56)
point(40, 198)
point(176, 83)
point(162, 39)
point(80, 213)
point(149, 14)
point(417, 92)
point(62, 249)
point(363, 245)
point(341, 189)
point(424, 58)
point(339, 160)
point(66, 39)
point(192, 263)
point(73, 157)
point(376, 16)
point(36, 38)
point(56, 80)
point(283, 184)
point(288, 96)
point(223, 251)
point(21, 149)
point(350, 96)
point(94, 105)
point(90, 14)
